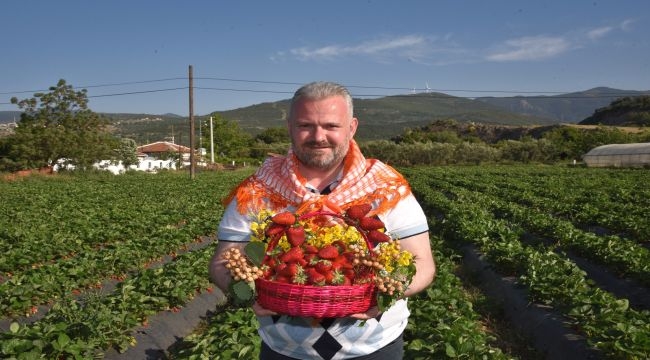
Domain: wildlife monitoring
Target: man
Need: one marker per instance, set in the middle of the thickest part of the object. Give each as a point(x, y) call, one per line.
point(325, 168)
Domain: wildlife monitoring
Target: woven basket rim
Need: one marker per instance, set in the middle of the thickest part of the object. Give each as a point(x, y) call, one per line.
point(315, 301)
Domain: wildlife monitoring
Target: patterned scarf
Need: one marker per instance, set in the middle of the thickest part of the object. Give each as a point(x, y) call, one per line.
point(277, 184)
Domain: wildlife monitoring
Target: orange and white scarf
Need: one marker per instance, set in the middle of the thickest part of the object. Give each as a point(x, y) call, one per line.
point(277, 185)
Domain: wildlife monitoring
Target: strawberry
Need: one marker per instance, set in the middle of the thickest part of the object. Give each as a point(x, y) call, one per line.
point(336, 266)
point(349, 273)
point(280, 268)
point(310, 257)
point(310, 249)
point(272, 262)
point(303, 262)
point(315, 278)
point(358, 211)
point(329, 277)
point(290, 270)
point(328, 252)
point(274, 229)
point(282, 279)
point(377, 236)
point(267, 271)
point(369, 223)
point(342, 262)
point(347, 281)
point(292, 255)
point(323, 266)
point(340, 245)
point(284, 218)
point(296, 235)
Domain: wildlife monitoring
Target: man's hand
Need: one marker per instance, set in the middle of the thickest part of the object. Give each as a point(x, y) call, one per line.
point(370, 314)
point(260, 311)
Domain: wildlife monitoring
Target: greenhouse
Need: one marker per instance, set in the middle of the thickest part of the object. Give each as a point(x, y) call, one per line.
point(619, 155)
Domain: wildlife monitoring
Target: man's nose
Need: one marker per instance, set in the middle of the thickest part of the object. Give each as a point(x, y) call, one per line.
point(319, 134)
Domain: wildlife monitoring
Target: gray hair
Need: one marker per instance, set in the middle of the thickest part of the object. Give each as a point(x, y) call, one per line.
point(319, 90)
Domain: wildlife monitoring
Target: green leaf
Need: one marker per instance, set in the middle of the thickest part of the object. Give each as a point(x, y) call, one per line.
point(622, 304)
point(63, 340)
point(384, 301)
point(14, 327)
point(242, 293)
point(255, 251)
point(450, 351)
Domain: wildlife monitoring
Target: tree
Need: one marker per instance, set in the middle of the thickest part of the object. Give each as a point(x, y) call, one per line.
point(58, 127)
point(274, 135)
point(229, 139)
point(127, 152)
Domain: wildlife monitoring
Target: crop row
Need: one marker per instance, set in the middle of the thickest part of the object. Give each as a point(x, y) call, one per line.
point(609, 198)
point(85, 326)
point(183, 212)
point(45, 220)
point(623, 256)
point(83, 231)
point(551, 279)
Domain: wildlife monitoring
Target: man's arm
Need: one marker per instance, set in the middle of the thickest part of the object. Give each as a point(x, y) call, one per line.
point(425, 266)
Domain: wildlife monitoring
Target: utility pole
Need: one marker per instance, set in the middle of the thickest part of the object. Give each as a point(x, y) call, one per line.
point(191, 87)
point(211, 142)
point(180, 153)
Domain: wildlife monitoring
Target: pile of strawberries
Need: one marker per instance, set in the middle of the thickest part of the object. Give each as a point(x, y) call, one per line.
point(334, 264)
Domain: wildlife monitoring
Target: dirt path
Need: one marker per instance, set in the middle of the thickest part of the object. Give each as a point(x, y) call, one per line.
point(546, 328)
point(165, 328)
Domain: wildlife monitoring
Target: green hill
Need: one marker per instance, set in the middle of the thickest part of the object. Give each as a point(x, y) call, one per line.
point(627, 111)
point(568, 108)
point(389, 116)
point(147, 128)
point(385, 117)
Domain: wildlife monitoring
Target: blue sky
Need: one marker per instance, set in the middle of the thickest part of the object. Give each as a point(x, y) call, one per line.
point(249, 52)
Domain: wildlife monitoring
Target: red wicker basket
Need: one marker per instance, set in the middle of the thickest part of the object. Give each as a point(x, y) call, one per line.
point(315, 301)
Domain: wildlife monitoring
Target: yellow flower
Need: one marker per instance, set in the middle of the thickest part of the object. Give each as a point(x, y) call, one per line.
point(405, 258)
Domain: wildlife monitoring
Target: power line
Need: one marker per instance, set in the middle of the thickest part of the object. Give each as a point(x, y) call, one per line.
point(249, 81)
point(539, 92)
point(99, 85)
point(126, 93)
point(426, 92)
point(138, 92)
point(245, 90)
point(385, 87)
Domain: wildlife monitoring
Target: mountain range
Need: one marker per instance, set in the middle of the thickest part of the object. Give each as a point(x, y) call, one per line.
point(565, 108)
point(386, 117)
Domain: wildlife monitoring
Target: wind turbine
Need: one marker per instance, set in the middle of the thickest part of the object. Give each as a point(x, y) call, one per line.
point(427, 89)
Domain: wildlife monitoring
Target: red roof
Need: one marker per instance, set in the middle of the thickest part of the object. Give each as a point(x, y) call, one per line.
point(161, 147)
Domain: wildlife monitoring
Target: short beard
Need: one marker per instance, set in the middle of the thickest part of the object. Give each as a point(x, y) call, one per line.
point(308, 157)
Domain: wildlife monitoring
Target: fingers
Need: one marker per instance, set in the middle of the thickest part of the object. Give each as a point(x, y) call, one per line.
point(370, 314)
point(260, 311)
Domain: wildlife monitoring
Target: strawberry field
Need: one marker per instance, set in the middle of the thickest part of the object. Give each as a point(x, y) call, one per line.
point(532, 262)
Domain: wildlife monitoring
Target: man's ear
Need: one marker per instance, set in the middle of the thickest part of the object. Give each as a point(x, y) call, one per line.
point(354, 123)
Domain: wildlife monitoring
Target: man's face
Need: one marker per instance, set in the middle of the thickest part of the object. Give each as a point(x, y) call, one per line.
point(321, 131)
